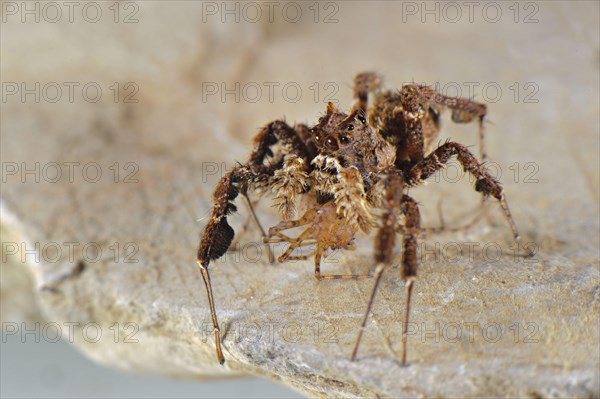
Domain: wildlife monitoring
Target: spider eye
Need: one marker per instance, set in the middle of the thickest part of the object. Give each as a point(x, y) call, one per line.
point(318, 138)
point(362, 119)
point(350, 127)
point(332, 144)
point(344, 139)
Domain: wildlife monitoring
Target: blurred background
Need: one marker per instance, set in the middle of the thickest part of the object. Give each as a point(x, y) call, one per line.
point(57, 370)
point(118, 118)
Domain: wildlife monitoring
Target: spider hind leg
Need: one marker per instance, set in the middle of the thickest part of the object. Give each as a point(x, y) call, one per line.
point(484, 182)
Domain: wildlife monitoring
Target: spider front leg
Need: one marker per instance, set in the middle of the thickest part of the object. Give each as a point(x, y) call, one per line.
point(397, 204)
point(218, 234)
point(484, 184)
point(217, 237)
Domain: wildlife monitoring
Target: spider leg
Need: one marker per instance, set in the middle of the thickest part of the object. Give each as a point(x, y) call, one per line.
point(206, 277)
point(289, 182)
point(300, 257)
point(364, 83)
point(295, 243)
point(251, 216)
point(303, 257)
point(278, 240)
point(215, 242)
point(285, 225)
point(485, 183)
point(279, 131)
point(218, 234)
point(321, 253)
point(264, 235)
point(414, 115)
point(396, 204)
point(463, 110)
point(409, 260)
point(255, 174)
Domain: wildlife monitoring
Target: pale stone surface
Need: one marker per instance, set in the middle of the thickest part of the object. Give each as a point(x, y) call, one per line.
point(174, 138)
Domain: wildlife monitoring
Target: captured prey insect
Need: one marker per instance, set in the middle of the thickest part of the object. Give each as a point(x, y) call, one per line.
point(352, 172)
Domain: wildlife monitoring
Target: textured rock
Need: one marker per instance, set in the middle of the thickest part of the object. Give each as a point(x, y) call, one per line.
point(528, 328)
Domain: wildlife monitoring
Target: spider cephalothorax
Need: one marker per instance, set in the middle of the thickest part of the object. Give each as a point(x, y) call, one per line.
point(351, 140)
point(350, 172)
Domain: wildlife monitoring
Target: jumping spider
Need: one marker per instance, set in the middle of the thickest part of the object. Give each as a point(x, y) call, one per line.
point(352, 172)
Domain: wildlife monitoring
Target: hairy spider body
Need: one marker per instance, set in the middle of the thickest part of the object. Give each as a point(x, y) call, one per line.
point(353, 171)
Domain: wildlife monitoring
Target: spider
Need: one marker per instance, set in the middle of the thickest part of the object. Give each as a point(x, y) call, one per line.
point(351, 172)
